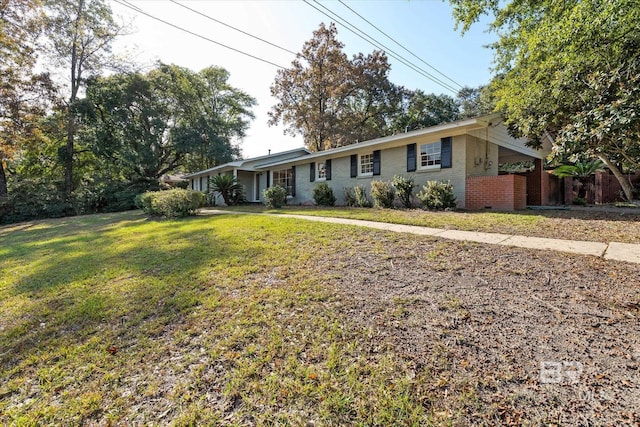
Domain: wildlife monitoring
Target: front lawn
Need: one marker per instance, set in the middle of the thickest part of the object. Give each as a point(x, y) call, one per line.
point(263, 320)
point(558, 224)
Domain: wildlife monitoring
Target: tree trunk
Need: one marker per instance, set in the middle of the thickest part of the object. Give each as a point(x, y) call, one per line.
point(68, 160)
point(76, 75)
point(626, 186)
point(3, 182)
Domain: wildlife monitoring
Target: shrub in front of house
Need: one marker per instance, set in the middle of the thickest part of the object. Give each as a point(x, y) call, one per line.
point(404, 189)
point(323, 195)
point(362, 200)
point(275, 197)
point(227, 187)
point(349, 197)
point(383, 194)
point(173, 203)
point(437, 195)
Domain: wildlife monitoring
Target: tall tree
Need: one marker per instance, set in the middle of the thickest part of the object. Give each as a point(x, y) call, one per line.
point(20, 90)
point(373, 100)
point(81, 33)
point(570, 70)
point(214, 115)
point(476, 101)
point(168, 119)
point(331, 100)
point(422, 110)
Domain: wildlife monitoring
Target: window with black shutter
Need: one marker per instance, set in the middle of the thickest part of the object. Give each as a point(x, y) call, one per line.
point(376, 162)
point(446, 152)
point(411, 158)
point(354, 165)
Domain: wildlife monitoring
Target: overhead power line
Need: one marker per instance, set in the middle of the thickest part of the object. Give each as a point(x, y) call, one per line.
point(401, 45)
point(233, 28)
point(363, 35)
point(137, 9)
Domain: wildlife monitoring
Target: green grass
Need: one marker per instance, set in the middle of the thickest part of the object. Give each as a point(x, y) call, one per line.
point(563, 224)
point(117, 319)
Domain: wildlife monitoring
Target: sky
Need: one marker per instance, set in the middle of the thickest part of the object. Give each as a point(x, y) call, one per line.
point(425, 28)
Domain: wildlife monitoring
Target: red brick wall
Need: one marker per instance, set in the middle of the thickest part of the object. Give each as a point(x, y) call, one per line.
point(502, 192)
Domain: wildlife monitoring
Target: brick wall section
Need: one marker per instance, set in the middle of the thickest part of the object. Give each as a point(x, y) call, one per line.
point(502, 192)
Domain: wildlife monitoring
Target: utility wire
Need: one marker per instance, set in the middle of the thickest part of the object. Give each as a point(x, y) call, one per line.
point(138, 10)
point(233, 28)
point(391, 52)
point(400, 44)
point(379, 45)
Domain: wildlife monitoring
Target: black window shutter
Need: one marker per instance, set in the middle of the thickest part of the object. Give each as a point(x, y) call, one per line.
point(445, 152)
point(268, 179)
point(376, 162)
point(411, 157)
point(293, 181)
point(327, 167)
point(354, 165)
point(312, 171)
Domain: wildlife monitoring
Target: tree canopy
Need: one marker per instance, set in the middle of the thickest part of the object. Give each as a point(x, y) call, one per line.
point(21, 91)
point(90, 140)
point(169, 118)
point(569, 70)
point(332, 100)
point(80, 34)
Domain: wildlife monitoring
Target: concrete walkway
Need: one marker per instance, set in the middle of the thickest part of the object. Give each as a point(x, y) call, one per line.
point(611, 251)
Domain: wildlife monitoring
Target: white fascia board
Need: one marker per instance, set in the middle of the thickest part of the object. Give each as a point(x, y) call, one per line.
point(452, 129)
point(499, 135)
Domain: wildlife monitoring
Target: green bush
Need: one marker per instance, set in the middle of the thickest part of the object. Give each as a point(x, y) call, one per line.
point(275, 197)
point(404, 189)
point(362, 200)
point(32, 199)
point(349, 197)
point(580, 201)
point(323, 195)
point(228, 187)
point(437, 195)
point(383, 194)
point(170, 203)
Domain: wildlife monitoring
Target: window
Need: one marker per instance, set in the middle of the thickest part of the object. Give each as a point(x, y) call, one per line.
point(322, 171)
point(284, 178)
point(430, 155)
point(366, 164)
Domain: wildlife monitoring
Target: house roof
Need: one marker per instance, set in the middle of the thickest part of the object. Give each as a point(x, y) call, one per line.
point(252, 163)
point(488, 127)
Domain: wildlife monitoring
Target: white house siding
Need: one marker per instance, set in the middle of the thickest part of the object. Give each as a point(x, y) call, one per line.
point(246, 179)
point(393, 161)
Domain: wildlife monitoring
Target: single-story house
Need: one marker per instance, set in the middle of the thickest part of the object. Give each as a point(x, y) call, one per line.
point(466, 153)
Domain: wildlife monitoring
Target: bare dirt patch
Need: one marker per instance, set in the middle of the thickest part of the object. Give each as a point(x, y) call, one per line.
point(513, 336)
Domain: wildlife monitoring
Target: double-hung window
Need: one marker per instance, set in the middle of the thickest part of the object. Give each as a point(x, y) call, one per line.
point(284, 178)
point(322, 171)
point(366, 164)
point(430, 155)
